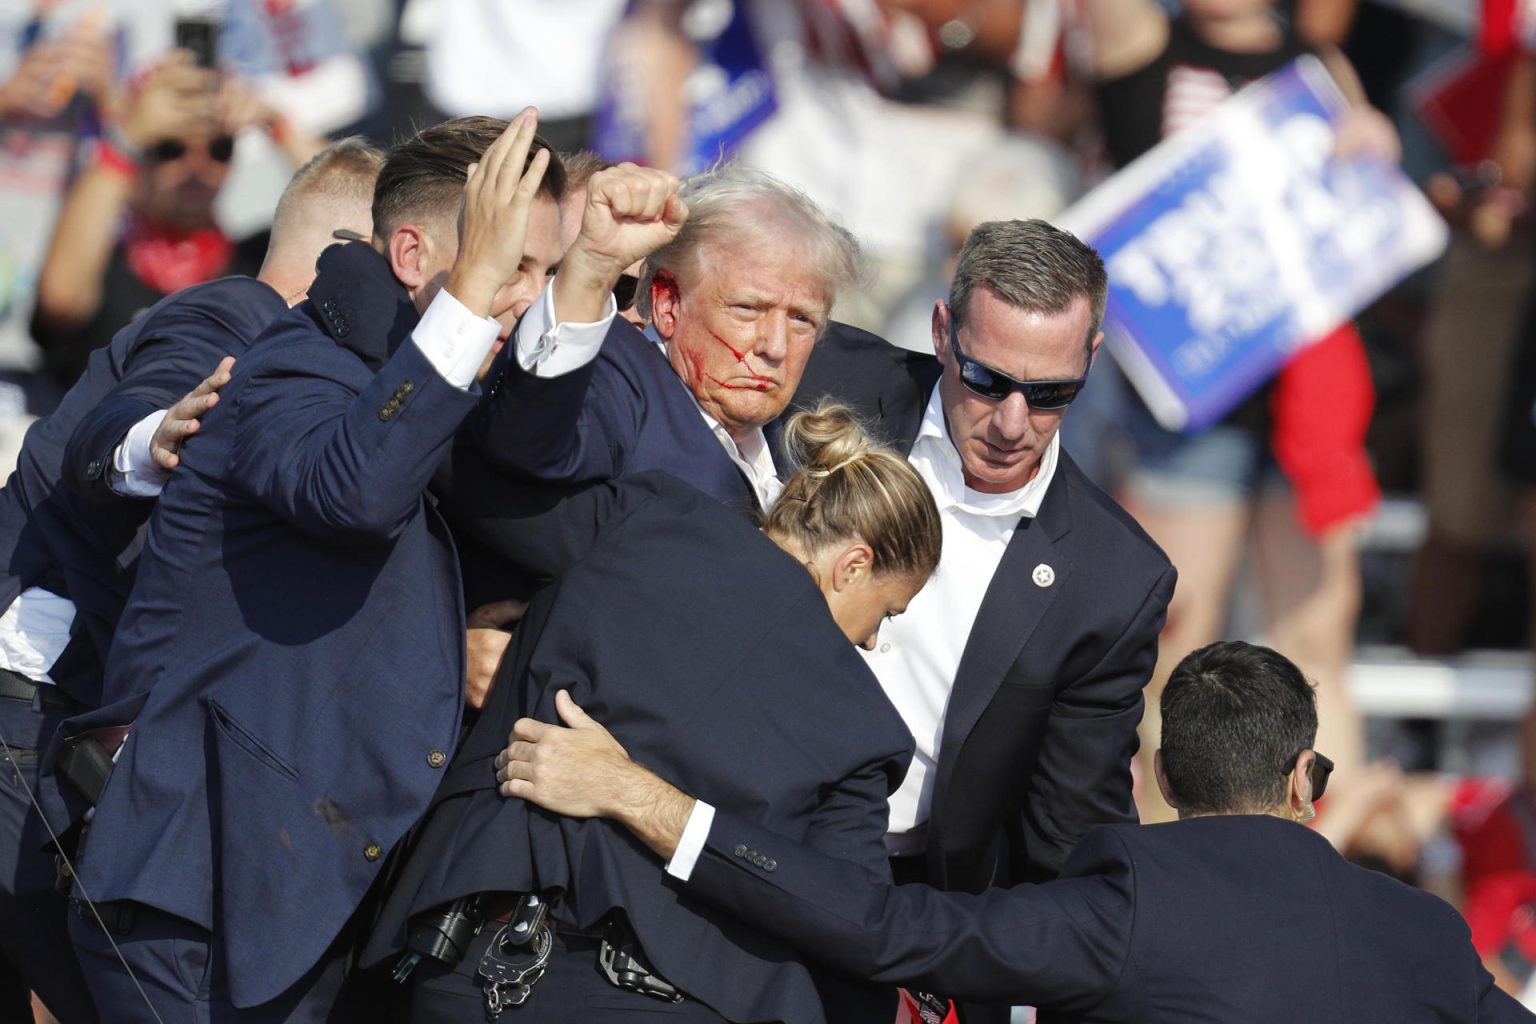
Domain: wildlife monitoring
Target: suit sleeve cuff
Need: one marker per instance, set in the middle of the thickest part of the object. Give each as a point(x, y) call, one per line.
point(134, 473)
point(695, 835)
point(548, 348)
point(454, 340)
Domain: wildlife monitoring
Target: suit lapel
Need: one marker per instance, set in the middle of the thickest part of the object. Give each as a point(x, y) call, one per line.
point(1013, 606)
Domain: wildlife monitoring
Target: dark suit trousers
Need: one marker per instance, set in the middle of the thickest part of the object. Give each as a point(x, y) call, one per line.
point(34, 936)
point(572, 991)
point(181, 971)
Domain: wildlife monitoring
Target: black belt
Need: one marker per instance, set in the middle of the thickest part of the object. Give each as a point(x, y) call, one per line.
point(117, 916)
point(15, 686)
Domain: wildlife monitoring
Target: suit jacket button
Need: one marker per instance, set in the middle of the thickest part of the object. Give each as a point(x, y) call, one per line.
point(770, 864)
point(740, 851)
point(386, 412)
point(437, 759)
point(406, 388)
point(372, 852)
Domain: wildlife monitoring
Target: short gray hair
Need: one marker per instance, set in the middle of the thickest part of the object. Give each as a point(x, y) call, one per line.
point(737, 208)
point(1032, 266)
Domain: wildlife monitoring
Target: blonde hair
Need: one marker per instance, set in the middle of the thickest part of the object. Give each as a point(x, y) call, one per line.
point(344, 171)
point(847, 487)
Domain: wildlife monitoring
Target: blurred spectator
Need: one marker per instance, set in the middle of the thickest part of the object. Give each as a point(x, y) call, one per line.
point(138, 222)
point(876, 109)
point(1495, 825)
point(1476, 324)
point(493, 57)
point(1200, 496)
point(56, 70)
point(1018, 178)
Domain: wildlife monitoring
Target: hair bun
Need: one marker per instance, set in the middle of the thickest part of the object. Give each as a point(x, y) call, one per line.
point(848, 487)
point(825, 439)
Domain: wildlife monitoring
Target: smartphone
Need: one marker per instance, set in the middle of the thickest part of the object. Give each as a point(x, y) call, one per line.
point(200, 35)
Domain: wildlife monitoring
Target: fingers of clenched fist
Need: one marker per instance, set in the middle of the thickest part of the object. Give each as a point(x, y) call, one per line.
point(631, 211)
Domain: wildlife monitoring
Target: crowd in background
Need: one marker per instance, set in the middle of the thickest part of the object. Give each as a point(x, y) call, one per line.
point(129, 170)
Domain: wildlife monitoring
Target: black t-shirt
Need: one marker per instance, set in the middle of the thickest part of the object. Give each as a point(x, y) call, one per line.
point(1180, 86)
point(123, 298)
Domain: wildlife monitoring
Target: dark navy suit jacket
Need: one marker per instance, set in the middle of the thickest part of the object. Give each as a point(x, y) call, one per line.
point(293, 649)
point(1041, 723)
point(83, 543)
point(60, 527)
point(711, 655)
point(1220, 919)
point(624, 412)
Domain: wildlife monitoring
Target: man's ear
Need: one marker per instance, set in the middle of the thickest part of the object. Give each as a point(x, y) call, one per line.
point(406, 249)
point(666, 301)
point(1093, 349)
point(855, 563)
point(941, 314)
point(1162, 779)
point(1298, 789)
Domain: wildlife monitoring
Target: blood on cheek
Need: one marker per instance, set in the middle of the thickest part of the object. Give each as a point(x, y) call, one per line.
point(741, 358)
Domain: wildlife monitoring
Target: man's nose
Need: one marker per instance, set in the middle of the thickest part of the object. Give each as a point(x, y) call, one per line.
point(772, 343)
point(868, 642)
point(514, 297)
point(1010, 417)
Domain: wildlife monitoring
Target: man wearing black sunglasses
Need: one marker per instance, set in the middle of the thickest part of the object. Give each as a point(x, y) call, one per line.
point(1236, 912)
point(1019, 668)
point(138, 223)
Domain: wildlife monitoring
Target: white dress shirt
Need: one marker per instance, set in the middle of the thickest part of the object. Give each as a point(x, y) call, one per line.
point(33, 633)
point(542, 353)
point(917, 653)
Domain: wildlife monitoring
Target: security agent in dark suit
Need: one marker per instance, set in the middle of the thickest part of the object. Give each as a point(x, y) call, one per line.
point(1235, 912)
point(736, 301)
point(297, 612)
point(720, 651)
point(69, 533)
point(1020, 669)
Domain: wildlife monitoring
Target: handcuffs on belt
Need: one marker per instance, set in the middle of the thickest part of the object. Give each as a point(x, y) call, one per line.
point(519, 951)
point(516, 958)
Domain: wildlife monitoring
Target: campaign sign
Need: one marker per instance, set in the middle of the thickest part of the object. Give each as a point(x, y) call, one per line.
point(729, 92)
point(1234, 243)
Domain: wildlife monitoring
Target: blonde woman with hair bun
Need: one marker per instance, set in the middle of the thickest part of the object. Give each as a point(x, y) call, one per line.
point(721, 653)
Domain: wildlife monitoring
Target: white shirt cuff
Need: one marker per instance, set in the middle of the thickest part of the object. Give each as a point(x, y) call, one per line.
point(695, 833)
point(134, 472)
point(548, 348)
point(454, 340)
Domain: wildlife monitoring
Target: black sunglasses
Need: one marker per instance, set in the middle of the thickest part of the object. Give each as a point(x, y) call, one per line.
point(1319, 771)
point(220, 150)
point(624, 290)
point(995, 385)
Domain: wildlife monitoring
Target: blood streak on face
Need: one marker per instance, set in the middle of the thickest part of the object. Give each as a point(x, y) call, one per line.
point(740, 329)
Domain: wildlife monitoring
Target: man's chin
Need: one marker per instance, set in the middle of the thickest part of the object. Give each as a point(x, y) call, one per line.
point(749, 410)
point(991, 476)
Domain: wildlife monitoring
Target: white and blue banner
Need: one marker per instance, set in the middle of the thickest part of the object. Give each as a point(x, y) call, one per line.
point(1232, 244)
point(730, 91)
